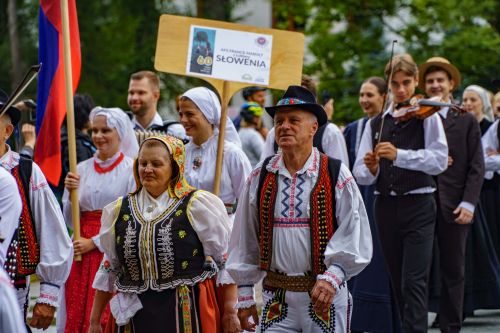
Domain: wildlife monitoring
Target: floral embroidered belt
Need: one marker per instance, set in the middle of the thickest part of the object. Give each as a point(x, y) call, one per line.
point(290, 283)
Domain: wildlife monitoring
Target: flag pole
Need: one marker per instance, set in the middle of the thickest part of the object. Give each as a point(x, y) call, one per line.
point(70, 118)
point(220, 144)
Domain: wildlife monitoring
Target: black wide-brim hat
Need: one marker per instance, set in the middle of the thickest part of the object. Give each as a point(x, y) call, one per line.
point(299, 98)
point(13, 112)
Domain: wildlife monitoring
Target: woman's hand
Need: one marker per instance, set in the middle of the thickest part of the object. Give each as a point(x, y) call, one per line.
point(95, 328)
point(83, 245)
point(72, 181)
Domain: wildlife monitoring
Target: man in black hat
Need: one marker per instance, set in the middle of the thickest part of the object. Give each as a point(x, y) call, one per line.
point(300, 223)
point(41, 243)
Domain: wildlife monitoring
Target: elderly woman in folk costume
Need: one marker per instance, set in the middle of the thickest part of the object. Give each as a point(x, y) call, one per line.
point(163, 244)
point(99, 180)
point(200, 113)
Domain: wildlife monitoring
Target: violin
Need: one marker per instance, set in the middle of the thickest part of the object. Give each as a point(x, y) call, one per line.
point(421, 108)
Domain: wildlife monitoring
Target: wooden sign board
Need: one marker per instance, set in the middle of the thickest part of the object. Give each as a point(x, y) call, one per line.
point(172, 51)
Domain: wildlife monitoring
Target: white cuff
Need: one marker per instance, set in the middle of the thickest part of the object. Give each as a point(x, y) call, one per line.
point(97, 242)
point(467, 205)
point(223, 277)
point(105, 278)
point(246, 297)
point(401, 158)
point(49, 294)
point(334, 275)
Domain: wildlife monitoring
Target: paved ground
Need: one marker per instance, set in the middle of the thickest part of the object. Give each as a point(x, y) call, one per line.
point(484, 321)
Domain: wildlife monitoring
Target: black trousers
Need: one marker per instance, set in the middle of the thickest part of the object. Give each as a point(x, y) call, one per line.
point(451, 242)
point(406, 229)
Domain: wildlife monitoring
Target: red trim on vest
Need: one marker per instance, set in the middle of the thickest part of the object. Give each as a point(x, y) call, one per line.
point(28, 250)
point(100, 169)
point(322, 219)
point(266, 217)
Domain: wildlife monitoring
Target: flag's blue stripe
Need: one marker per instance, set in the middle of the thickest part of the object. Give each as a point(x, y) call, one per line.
point(48, 55)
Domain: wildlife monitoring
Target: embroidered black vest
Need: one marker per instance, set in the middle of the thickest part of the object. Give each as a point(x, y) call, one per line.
point(161, 254)
point(23, 254)
point(322, 202)
point(405, 135)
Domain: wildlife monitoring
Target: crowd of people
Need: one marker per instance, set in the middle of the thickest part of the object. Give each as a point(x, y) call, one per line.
point(362, 228)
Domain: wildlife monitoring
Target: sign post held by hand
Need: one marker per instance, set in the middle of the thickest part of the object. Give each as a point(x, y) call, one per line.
point(230, 57)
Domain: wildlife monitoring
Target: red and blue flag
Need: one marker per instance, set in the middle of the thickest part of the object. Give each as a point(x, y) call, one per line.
point(51, 99)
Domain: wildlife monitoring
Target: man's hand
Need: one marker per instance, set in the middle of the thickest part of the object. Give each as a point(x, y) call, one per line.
point(322, 296)
point(83, 245)
point(43, 314)
point(450, 160)
point(493, 152)
point(371, 162)
point(29, 135)
point(464, 215)
point(72, 181)
point(231, 322)
point(244, 314)
point(386, 150)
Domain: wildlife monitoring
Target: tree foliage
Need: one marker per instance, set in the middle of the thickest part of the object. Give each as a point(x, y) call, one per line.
point(348, 41)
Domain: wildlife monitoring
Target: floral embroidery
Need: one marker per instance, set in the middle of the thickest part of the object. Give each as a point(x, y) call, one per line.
point(182, 233)
point(195, 252)
point(126, 217)
point(178, 212)
point(184, 264)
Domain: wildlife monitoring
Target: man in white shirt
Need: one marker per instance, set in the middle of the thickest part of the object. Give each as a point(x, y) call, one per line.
point(400, 158)
point(302, 226)
point(41, 244)
point(143, 97)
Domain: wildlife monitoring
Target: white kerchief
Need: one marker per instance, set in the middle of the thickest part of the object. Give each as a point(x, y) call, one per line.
point(208, 103)
point(483, 94)
point(117, 118)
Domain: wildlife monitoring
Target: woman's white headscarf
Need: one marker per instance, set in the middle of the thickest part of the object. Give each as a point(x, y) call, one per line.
point(208, 103)
point(483, 94)
point(118, 119)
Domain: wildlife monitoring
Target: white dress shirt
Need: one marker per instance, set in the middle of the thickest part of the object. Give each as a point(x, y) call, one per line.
point(333, 143)
point(348, 251)
point(92, 195)
point(56, 248)
point(432, 160)
point(10, 210)
point(200, 168)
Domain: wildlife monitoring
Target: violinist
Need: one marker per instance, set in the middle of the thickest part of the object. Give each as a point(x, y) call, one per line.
point(400, 158)
point(458, 189)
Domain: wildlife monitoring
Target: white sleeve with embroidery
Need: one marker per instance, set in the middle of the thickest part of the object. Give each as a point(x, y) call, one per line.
point(106, 275)
point(350, 249)
point(56, 248)
point(209, 219)
point(243, 262)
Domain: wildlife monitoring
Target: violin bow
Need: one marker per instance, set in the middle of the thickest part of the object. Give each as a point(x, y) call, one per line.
point(378, 135)
point(28, 78)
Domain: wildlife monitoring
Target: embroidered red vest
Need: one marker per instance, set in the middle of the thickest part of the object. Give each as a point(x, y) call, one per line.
point(322, 212)
point(28, 249)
